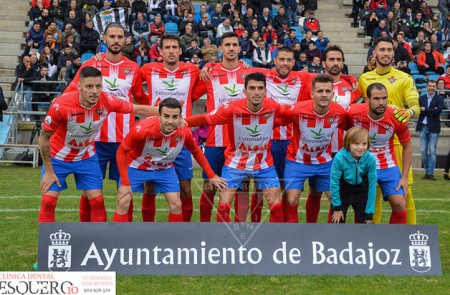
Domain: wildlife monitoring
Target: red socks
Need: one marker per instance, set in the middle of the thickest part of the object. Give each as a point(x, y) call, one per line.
point(206, 205)
point(186, 207)
point(292, 213)
point(176, 217)
point(47, 212)
point(85, 209)
point(256, 207)
point(241, 207)
point(148, 208)
point(223, 212)
point(312, 209)
point(398, 217)
point(120, 218)
point(130, 212)
point(330, 215)
point(276, 213)
point(284, 206)
point(98, 212)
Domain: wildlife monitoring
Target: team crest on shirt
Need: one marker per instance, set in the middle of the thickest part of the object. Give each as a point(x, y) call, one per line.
point(344, 89)
point(99, 112)
point(48, 120)
point(392, 79)
point(127, 71)
point(267, 115)
point(331, 119)
point(388, 128)
point(177, 138)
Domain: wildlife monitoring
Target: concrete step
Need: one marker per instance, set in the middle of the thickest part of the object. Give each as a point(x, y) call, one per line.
point(14, 28)
point(9, 59)
point(350, 46)
point(336, 36)
point(348, 51)
point(18, 13)
point(17, 21)
point(9, 65)
point(327, 26)
point(323, 15)
point(8, 94)
point(8, 72)
point(355, 62)
point(15, 5)
point(13, 35)
point(10, 52)
point(353, 40)
point(11, 46)
point(8, 79)
point(6, 86)
point(13, 40)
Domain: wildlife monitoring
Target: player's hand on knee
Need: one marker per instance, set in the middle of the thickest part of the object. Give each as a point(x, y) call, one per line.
point(337, 216)
point(124, 193)
point(402, 114)
point(403, 183)
point(47, 181)
point(218, 182)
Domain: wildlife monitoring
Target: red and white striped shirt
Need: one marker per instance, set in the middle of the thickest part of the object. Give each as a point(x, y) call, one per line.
point(122, 80)
point(75, 126)
point(177, 84)
point(310, 143)
point(287, 91)
point(225, 86)
point(249, 132)
point(381, 133)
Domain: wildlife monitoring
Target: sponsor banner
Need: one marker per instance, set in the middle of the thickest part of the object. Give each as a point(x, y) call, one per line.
point(240, 248)
point(103, 283)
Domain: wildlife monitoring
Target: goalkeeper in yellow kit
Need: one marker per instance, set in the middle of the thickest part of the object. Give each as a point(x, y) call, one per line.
point(402, 93)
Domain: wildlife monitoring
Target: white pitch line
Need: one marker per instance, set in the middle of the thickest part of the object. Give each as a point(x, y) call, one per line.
point(195, 210)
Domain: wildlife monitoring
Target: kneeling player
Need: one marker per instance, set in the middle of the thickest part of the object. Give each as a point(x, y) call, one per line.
point(147, 154)
point(67, 142)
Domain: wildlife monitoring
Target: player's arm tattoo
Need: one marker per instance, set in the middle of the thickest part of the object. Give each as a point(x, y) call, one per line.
point(44, 145)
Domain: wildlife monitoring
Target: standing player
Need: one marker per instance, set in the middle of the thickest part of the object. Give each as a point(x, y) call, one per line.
point(147, 154)
point(122, 79)
point(402, 91)
point(380, 121)
point(309, 153)
point(251, 121)
point(172, 78)
point(333, 63)
point(226, 84)
point(67, 142)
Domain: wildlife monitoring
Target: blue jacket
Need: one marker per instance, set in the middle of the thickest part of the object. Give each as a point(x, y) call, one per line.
point(344, 165)
point(432, 113)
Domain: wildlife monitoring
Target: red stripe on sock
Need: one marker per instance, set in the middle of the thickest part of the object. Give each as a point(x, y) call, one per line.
point(47, 212)
point(276, 213)
point(98, 212)
point(187, 208)
point(120, 218)
point(175, 217)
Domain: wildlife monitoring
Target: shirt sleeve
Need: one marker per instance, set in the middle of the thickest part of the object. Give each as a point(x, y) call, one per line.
point(53, 118)
point(219, 116)
point(117, 105)
point(335, 179)
point(372, 193)
point(403, 132)
point(136, 89)
point(411, 96)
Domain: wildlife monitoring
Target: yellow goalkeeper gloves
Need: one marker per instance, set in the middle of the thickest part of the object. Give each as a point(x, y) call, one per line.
point(403, 115)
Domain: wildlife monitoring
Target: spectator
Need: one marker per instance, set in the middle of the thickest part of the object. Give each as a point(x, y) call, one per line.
point(236, 18)
point(244, 43)
point(254, 27)
point(322, 42)
point(380, 7)
point(72, 6)
point(185, 40)
point(262, 58)
point(247, 19)
point(45, 3)
point(280, 18)
point(65, 54)
point(364, 13)
point(142, 52)
point(62, 76)
point(446, 77)
point(171, 11)
point(426, 11)
point(312, 52)
point(3, 104)
point(35, 12)
point(291, 39)
point(371, 64)
point(311, 23)
point(397, 10)
point(136, 7)
point(89, 38)
point(430, 60)
point(444, 6)
point(418, 43)
point(265, 18)
point(238, 28)
point(283, 32)
point(155, 51)
point(381, 28)
point(107, 5)
point(401, 58)
point(125, 4)
point(275, 50)
point(429, 127)
point(309, 5)
point(45, 19)
point(206, 29)
point(57, 13)
point(42, 91)
point(408, 15)
point(273, 46)
point(155, 7)
point(198, 16)
point(140, 28)
point(269, 34)
point(190, 20)
point(128, 49)
point(231, 7)
point(48, 57)
point(427, 30)
point(218, 16)
point(54, 32)
point(70, 42)
point(304, 44)
point(440, 89)
point(391, 24)
point(435, 44)
point(416, 24)
point(208, 50)
point(36, 34)
point(72, 69)
point(316, 66)
point(74, 20)
point(91, 10)
point(25, 72)
point(371, 24)
point(197, 61)
point(157, 29)
point(50, 42)
point(224, 27)
point(68, 30)
point(444, 37)
point(185, 5)
point(245, 6)
point(406, 45)
point(193, 50)
point(291, 11)
point(435, 23)
point(254, 38)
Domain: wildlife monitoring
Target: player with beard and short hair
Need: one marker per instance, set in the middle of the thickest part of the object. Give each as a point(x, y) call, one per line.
point(121, 78)
point(333, 64)
point(67, 142)
point(381, 122)
point(401, 91)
